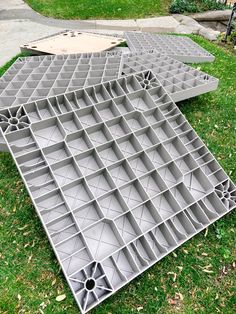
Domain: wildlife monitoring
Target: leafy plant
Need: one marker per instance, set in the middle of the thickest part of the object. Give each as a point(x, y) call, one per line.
point(193, 6)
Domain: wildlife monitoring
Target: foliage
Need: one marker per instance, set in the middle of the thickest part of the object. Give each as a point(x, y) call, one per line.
point(193, 6)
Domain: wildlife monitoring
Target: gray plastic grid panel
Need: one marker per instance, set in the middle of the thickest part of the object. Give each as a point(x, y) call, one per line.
point(118, 177)
point(181, 48)
point(180, 80)
point(33, 78)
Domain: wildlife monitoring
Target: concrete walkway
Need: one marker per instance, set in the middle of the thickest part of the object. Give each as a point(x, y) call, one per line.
point(20, 24)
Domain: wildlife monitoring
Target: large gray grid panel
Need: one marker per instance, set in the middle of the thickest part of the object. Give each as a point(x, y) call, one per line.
point(118, 177)
point(178, 47)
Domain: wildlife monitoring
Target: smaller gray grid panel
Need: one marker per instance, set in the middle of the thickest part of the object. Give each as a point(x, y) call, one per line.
point(181, 48)
point(180, 80)
point(118, 178)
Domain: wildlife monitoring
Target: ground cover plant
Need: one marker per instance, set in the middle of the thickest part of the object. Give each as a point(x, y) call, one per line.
point(193, 6)
point(199, 277)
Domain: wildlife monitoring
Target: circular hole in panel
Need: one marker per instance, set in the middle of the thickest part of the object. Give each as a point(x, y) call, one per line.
point(90, 284)
point(226, 194)
point(13, 120)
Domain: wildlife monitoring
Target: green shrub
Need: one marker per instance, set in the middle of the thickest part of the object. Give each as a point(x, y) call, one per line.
point(193, 6)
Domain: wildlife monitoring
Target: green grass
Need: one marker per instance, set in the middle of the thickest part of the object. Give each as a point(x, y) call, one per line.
point(30, 276)
point(100, 9)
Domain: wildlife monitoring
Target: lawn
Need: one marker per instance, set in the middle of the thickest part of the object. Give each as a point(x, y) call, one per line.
point(199, 277)
point(100, 9)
